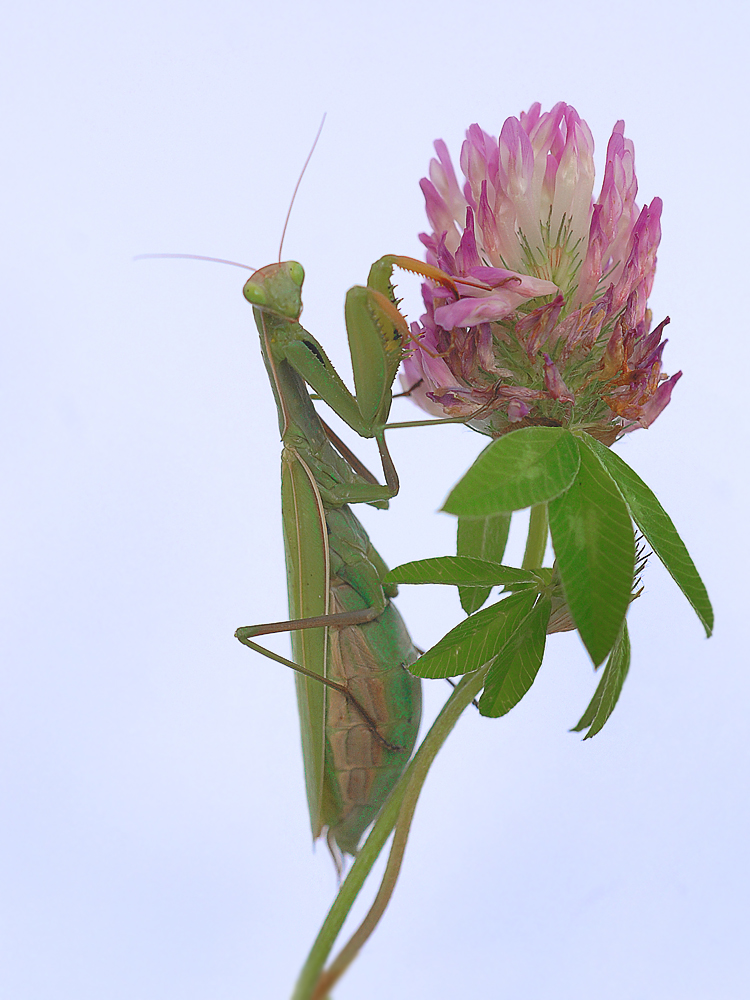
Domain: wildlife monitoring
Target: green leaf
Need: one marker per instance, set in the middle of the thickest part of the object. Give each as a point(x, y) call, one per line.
point(608, 691)
point(485, 538)
point(658, 530)
point(465, 571)
point(476, 640)
point(516, 666)
point(525, 467)
point(592, 535)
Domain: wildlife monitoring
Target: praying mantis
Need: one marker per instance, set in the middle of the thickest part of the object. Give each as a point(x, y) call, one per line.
point(359, 706)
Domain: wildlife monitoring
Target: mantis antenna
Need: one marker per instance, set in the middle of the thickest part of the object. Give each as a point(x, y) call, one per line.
point(299, 181)
point(234, 263)
point(193, 256)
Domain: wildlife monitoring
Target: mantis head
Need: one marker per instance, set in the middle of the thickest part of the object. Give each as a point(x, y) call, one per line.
point(277, 288)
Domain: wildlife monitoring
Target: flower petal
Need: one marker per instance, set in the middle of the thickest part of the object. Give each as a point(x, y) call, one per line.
point(473, 311)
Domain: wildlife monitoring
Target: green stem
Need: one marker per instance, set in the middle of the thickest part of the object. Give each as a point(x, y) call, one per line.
point(354, 945)
point(464, 693)
point(314, 982)
point(536, 542)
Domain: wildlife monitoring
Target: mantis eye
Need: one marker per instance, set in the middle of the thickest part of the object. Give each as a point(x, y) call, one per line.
point(254, 293)
point(296, 272)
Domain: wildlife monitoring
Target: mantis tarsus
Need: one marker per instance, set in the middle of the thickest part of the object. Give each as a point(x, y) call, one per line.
point(360, 724)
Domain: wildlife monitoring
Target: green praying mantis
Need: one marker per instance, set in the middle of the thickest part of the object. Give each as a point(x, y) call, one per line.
point(359, 706)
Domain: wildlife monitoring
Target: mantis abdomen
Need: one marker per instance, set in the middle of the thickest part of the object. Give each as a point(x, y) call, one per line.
point(364, 758)
point(365, 737)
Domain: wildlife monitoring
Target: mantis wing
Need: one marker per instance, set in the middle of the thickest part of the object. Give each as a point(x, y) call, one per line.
point(307, 567)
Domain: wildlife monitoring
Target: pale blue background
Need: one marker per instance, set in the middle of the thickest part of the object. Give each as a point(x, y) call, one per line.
point(155, 839)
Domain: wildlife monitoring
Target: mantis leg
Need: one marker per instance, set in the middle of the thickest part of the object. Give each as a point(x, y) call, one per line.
point(243, 634)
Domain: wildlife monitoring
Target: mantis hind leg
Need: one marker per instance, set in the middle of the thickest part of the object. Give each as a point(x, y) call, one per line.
point(338, 620)
point(243, 634)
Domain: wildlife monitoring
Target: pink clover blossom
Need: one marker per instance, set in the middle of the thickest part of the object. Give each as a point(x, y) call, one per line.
point(546, 319)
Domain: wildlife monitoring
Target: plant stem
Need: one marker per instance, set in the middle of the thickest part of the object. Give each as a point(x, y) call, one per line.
point(466, 690)
point(314, 982)
point(536, 541)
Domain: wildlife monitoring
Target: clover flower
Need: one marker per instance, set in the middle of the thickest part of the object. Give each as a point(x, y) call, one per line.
point(542, 315)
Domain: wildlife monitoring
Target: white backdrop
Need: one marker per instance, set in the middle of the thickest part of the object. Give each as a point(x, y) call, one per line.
point(155, 839)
